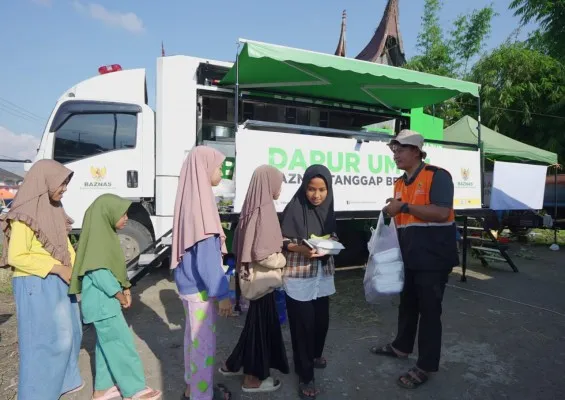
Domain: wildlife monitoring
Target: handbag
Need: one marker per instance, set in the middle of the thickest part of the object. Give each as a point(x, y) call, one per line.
point(259, 278)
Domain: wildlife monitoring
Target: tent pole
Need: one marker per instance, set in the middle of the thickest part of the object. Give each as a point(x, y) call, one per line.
point(555, 205)
point(236, 91)
point(237, 306)
point(481, 149)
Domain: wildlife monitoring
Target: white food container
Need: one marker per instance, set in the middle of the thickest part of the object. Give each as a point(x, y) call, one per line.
point(326, 247)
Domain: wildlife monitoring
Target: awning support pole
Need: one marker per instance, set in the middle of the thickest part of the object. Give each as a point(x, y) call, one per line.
point(555, 205)
point(481, 153)
point(237, 307)
point(236, 91)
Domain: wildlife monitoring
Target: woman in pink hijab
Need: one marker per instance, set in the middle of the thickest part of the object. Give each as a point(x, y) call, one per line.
point(258, 245)
point(198, 245)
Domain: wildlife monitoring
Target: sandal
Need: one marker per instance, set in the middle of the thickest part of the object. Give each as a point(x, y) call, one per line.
point(386, 351)
point(139, 395)
point(320, 363)
point(221, 392)
point(76, 390)
point(226, 372)
point(413, 379)
point(268, 385)
point(304, 388)
point(112, 393)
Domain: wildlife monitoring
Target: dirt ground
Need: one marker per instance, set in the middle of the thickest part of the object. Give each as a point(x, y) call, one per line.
point(504, 336)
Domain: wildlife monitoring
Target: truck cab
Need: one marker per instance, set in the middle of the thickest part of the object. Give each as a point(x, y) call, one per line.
point(103, 130)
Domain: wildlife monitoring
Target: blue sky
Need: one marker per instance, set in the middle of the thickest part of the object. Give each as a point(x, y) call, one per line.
point(49, 45)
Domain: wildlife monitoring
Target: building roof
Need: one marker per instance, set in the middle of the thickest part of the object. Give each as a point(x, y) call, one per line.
point(7, 176)
point(340, 50)
point(385, 47)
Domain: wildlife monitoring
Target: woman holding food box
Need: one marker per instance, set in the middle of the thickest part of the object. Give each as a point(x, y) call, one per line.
point(309, 220)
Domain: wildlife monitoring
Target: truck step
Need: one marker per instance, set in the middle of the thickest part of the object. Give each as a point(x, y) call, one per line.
point(132, 273)
point(167, 240)
point(146, 259)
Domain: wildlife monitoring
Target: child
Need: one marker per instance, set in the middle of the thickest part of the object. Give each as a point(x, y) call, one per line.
point(258, 244)
point(196, 260)
point(309, 278)
point(100, 275)
point(37, 247)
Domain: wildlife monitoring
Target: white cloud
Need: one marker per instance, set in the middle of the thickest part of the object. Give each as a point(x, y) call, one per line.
point(47, 3)
point(128, 20)
point(19, 146)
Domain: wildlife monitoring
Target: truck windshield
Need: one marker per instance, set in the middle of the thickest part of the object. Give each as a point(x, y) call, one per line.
point(85, 133)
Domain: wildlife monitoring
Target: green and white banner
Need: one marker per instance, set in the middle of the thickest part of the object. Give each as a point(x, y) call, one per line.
point(363, 173)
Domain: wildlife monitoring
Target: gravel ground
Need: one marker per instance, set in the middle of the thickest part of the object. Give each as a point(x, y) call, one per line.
point(503, 338)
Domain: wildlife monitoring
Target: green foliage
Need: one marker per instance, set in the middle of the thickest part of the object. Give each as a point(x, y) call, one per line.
point(521, 90)
point(469, 35)
point(451, 58)
point(435, 57)
point(550, 15)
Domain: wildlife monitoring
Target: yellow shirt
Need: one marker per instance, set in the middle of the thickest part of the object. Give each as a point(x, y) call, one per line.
point(27, 255)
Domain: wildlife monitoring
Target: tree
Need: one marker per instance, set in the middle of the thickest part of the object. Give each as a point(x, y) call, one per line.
point(550, 14)
point(469, 36)
point(450, 57)
point(435, 57)
point(523, 95)
point(446, 57)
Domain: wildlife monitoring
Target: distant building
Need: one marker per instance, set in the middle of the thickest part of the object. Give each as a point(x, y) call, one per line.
point(385, 47)
point(340, 51)
point(10, 179)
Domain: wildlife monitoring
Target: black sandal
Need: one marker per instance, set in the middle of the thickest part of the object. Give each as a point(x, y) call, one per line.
point(413, 379)
point(386, 351)
point(221, 392)
point(320, 363)
point(304, 388)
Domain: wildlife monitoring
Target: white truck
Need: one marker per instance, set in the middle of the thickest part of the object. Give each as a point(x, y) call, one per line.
point(103, 129)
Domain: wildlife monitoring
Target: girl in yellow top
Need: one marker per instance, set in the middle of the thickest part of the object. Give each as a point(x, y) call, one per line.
point(37, 247)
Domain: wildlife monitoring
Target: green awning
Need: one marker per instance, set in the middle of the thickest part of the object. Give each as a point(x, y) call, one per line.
point(496, 146)
point(305, 73)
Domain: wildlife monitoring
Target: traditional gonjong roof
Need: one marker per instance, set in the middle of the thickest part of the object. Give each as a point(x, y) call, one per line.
point(340, 51)
point(385, 47)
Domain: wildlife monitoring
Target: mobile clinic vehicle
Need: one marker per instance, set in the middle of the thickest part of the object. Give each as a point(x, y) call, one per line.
point(293, 108)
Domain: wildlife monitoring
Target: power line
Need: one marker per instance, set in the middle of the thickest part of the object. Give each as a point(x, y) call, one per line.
point(21, 109)
point(19, 112)
point(19, 115)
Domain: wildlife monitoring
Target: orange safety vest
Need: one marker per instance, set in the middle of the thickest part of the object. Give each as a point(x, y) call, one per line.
point(418, 193)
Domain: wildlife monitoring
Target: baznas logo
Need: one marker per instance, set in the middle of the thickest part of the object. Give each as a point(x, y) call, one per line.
point(465, 173)
point(98, 173)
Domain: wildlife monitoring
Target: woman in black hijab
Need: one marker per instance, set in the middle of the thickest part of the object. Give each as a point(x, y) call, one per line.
point(309, 278)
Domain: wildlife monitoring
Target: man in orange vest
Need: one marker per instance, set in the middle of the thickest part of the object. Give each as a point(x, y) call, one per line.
point(422, 208)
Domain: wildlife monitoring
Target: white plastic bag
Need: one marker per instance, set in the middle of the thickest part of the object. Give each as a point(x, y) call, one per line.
point(385, 270)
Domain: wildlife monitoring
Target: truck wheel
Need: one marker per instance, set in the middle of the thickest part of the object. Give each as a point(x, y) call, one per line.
point(134, 238)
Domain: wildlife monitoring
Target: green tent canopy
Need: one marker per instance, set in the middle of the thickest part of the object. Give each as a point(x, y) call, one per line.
point(297, 72)
point(496, 145)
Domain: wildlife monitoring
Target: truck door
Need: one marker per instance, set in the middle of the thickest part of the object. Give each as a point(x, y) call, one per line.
point(108, 145)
